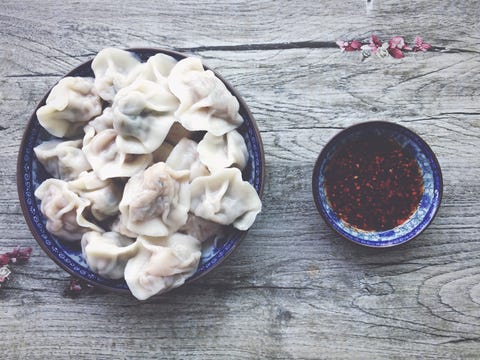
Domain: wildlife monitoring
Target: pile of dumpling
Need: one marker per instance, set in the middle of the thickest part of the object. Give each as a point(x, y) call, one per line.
point(129, 182)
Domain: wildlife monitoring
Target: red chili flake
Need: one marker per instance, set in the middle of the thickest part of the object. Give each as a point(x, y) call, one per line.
point(373, 183)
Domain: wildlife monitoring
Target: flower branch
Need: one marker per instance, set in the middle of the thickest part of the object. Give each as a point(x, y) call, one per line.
point(395, 47)
point(18, 255)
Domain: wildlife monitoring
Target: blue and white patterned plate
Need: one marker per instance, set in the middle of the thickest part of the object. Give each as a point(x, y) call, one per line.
point(30, 174)
point(432, 181)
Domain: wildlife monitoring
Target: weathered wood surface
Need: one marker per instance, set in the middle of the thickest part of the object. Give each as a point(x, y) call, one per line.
point(293, 289)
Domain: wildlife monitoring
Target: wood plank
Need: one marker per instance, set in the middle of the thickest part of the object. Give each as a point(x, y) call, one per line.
point(293, 289)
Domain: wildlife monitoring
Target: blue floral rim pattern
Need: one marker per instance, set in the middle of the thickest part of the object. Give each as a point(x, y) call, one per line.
point(30, 174)
point(432, 181)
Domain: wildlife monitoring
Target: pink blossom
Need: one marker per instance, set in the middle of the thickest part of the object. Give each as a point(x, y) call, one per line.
point(76, 287)
point(375, 44)
point(353, 45)
point(396, 53)
point(420, 45)
point(395, 46)
point(397, 42)
point(19, 254)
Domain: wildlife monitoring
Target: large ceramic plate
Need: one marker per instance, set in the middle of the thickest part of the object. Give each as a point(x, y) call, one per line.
point(30, 174)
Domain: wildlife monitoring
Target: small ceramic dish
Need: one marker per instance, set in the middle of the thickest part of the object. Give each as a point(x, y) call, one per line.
point(353, 219)
point(30, 174)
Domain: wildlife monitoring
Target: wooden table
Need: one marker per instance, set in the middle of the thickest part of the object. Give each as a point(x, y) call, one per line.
point(293, 289)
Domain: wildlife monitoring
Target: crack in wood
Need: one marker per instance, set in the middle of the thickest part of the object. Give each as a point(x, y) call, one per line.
point(265, 46)
point(454, 50)
point(233, 287)
point(297, 45)
point(467, 113)
point(270, 287)
point(302, 128)
point(461, 340)
point(30, 75)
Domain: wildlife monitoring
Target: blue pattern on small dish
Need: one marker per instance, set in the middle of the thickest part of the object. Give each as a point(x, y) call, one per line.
point(30, 174)
point(432, 181)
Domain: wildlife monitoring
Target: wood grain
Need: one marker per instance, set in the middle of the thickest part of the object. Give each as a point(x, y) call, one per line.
point(293, 289)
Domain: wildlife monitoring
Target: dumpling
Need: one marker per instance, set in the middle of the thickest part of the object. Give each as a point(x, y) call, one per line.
point(205, 102)
point(147, 96)
point(64, 210)
point(143, 116)
point(112, 68)
point(62, 159)
point(97, 125)
point(69, 106)
point(100, 123)
point(107, 161)
point(107, 253)
point(161, 264)
point(184, 156)
point(104, 195)
point(156, 201)
point(157, 68)
point(219, 152)
point(225, 198)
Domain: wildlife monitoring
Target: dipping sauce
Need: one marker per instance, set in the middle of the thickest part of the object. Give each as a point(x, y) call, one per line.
point(373, 183)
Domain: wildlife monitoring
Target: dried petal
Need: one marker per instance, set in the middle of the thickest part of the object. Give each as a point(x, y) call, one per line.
point(375, 44)
point(356, 45)
point(396, 53)
point(349, 45)
point(420, 45)
point(426, 47)
point(4, 259)
point(376, 41)
point(342, 44)
point(396, 42)
point(76, 287)
point(19, 254)
point(24, 254)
